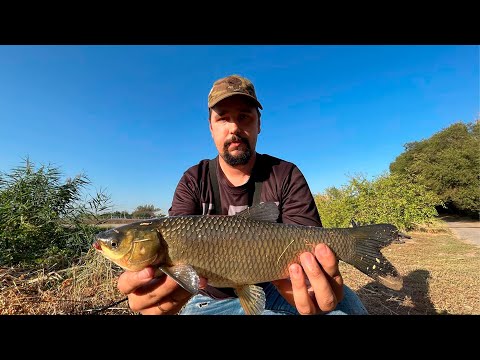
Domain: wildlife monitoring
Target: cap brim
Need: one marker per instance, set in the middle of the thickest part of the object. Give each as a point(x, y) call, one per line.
point(212, 104)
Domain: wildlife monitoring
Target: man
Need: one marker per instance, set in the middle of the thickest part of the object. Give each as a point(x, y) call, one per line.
point(237, 178)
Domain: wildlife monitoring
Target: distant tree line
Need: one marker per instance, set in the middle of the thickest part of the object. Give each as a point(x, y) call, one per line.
point(141, 212)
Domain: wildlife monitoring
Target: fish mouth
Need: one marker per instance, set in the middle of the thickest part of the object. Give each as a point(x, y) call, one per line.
point(97, 245)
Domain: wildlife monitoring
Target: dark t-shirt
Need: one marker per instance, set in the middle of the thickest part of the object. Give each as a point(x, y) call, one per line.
point(282, 182)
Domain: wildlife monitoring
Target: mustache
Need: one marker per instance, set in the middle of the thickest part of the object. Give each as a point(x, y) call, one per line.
point(236, 138)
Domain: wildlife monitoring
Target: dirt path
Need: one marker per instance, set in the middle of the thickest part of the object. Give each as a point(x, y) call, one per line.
point(464, 228)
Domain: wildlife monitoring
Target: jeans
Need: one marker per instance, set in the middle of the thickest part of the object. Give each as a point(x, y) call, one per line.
point(275, 305)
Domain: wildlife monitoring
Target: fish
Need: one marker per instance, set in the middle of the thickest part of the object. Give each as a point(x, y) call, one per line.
point(243, 250)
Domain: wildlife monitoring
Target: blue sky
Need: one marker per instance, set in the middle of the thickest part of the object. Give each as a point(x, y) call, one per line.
point(134, 118)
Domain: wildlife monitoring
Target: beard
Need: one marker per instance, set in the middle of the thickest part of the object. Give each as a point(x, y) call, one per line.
point(240, 159)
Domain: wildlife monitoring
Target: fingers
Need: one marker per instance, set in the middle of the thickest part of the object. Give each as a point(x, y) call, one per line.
point(301, 296)
point(166, 298)
point(203, 283)
point(329, 263)
point(173, 302)
point(130, 280)
point(323, 288)
point(149, 295)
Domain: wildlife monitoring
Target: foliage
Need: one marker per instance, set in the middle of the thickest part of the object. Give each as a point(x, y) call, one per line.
point(336, 206)
point(146, 212)
point(44, 220)
point(390, 198)
point(448, 163)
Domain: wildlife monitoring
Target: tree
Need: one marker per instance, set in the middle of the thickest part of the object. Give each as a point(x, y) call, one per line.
point(448, 163)
point(43, 217)
point(147, 212)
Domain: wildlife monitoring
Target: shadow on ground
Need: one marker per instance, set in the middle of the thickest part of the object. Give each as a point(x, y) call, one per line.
point(413, 299)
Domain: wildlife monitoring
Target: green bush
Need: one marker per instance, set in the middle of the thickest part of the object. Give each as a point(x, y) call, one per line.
point(42, 219)
point(336, 206)
point(390, 199)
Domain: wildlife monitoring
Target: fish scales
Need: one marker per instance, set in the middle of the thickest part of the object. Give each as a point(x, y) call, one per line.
point(231, 250)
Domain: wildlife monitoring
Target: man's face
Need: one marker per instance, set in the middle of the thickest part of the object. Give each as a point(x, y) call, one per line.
point(235, 125)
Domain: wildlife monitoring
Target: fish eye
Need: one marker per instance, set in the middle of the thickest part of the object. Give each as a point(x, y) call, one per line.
point(114, 244)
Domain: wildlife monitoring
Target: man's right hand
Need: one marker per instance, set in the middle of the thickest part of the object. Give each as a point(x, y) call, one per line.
point(153, 296)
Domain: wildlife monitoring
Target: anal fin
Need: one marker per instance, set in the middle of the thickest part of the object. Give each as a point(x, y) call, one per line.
point(252, 299)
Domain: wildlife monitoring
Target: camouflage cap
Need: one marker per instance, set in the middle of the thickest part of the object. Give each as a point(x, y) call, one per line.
point(229, 86)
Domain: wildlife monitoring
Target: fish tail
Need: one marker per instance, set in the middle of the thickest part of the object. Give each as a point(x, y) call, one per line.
point(367, 258)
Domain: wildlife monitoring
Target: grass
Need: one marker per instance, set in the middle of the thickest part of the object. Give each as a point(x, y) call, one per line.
point(440, 274)
point(440, 277)
point(84, 288)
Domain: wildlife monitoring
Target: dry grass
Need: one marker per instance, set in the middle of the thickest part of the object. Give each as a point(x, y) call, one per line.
point(85, 288)
point(441, 276)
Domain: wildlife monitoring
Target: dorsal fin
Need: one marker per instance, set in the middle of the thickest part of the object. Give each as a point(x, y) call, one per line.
point(267, 211)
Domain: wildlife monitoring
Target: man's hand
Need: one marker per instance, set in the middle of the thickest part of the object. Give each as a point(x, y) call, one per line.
point(325, 290)
point(153, 296)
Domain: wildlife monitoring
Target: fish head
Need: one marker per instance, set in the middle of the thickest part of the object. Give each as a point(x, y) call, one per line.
point(132, 246)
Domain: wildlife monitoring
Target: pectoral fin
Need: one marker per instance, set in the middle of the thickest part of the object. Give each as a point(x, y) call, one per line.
point(252, 299)
point(184, 275)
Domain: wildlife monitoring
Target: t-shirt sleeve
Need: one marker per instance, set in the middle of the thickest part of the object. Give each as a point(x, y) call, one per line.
point(298, 205)
point(186, 197)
